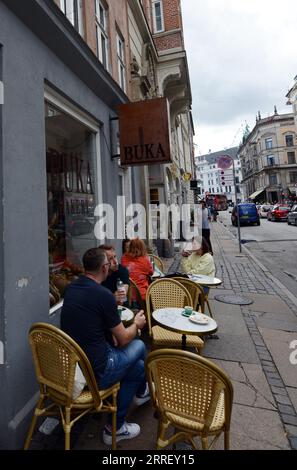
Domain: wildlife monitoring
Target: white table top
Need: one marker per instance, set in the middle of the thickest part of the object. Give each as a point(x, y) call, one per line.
point(126, 315)
point(173, 319)
point(205, 280)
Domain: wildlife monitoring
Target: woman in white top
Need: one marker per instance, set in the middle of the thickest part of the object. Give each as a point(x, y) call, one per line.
point(198, 261)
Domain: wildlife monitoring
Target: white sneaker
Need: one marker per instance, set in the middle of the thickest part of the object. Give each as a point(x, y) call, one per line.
point(126, 431)
point(143, 398)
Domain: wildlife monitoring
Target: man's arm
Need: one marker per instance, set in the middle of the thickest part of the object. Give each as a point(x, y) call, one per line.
point(125, 335)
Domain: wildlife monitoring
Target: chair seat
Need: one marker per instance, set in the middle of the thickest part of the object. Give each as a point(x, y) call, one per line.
point(85, 398)
point(164, 337)
point(216, 425)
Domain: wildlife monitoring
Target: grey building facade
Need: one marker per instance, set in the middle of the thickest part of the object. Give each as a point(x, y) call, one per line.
point(54, 151)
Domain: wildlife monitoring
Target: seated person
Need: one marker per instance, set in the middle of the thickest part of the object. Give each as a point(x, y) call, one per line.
point(137, 262)
point(198, 260)
point(116, 272)
point(125, 245)
point(89, 315)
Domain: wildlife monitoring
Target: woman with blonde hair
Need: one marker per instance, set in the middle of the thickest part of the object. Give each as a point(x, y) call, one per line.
point(138, 264)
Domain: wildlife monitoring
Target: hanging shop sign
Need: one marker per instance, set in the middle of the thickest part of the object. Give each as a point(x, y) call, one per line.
point(144, 132)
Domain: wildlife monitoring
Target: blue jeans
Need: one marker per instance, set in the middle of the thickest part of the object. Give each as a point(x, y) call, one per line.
point(125, 365)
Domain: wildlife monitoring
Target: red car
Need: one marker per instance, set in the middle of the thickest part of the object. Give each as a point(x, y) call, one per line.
point(278, 213)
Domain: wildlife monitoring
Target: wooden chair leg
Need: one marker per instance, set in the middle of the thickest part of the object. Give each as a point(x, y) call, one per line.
point(67, 429)
point(204, 443)
point(33, 423)
point(227, 440)
point(209, 309)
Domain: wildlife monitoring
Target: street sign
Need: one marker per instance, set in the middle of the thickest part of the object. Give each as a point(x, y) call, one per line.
point(224, 161)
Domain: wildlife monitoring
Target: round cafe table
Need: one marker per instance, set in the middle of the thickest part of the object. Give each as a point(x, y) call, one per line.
point(126, 315)
point(205, 280)
point(172, 319)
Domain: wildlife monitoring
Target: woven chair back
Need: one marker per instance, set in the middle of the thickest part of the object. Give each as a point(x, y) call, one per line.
point(134, 295)
point(158, 262)
point(164, 293)
point(188, 387)
point(196, 291)
point(55, 357)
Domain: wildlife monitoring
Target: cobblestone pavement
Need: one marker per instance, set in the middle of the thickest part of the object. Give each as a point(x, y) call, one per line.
point(242, 276)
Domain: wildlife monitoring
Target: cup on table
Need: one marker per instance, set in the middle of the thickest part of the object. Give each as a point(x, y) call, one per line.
point(188, 310)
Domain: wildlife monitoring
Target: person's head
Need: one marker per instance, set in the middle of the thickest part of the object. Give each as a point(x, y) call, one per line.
point(200, 245)
point(202, 204)
point(111, 257)
point(95, 262)
point(125, 245)
point(137, 248)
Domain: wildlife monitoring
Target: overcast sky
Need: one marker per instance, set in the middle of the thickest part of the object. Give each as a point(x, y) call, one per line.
point(242, 59)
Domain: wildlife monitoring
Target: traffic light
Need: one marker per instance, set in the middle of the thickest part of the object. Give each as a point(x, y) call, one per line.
point(222, 178)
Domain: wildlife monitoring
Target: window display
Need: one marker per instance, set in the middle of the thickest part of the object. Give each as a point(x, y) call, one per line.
point(70, 158)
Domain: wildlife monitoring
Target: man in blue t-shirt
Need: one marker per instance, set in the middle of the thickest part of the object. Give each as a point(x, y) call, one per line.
point(89, 315)
point(116, 272)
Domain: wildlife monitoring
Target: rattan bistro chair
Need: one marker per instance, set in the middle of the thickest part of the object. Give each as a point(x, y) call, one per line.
point(134, 297)
point(55, 357)
point(158, 262)
point(192, 395)
point(164, 293)
point(196, 291)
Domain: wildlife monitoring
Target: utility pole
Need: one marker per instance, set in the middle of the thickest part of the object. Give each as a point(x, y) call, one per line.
point(236, 205)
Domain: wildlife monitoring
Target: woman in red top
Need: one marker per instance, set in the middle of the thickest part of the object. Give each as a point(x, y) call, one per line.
point(138, 264)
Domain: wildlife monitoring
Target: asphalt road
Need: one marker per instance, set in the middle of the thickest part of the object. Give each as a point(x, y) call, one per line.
point(274, 244)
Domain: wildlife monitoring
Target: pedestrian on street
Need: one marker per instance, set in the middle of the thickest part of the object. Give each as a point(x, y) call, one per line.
point(90, 316)
point(205, 215)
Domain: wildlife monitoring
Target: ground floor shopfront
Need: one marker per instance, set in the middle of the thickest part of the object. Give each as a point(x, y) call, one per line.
point(56, 167)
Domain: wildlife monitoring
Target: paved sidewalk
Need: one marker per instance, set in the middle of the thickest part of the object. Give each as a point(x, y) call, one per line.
point(253, 348)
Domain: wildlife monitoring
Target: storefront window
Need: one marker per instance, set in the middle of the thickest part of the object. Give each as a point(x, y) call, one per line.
point(70, 157)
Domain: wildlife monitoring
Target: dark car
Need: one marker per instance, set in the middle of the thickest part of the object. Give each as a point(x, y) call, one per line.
point(248, 214)
point(292, 216)
point(79, 225)
point(278, 213)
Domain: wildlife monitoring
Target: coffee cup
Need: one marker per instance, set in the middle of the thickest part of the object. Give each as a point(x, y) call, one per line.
point(188, 310)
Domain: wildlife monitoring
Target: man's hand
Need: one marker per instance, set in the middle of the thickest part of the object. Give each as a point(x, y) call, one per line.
point(140, 319)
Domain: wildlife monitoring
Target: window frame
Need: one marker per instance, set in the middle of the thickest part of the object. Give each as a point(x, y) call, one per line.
point(121, 60)
point(73, 10)
point(289, 155)
point(102, 41)
point(268, 147)
point(292, 141)
point(154, 4)
point(65, 106)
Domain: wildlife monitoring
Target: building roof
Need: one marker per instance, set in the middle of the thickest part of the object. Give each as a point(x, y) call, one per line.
point(212, 157)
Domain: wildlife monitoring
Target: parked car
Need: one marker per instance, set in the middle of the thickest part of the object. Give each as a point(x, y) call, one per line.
point(263, 210)
point(79, 225)
point(292, 216)
point(248, 214)
point(278, 213)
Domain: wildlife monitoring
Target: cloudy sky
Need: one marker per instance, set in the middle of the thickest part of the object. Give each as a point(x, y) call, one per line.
point(242, 59)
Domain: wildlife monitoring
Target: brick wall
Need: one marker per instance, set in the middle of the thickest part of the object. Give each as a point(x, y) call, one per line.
point(169, 41)
point(90, 25)
point(171, 12)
